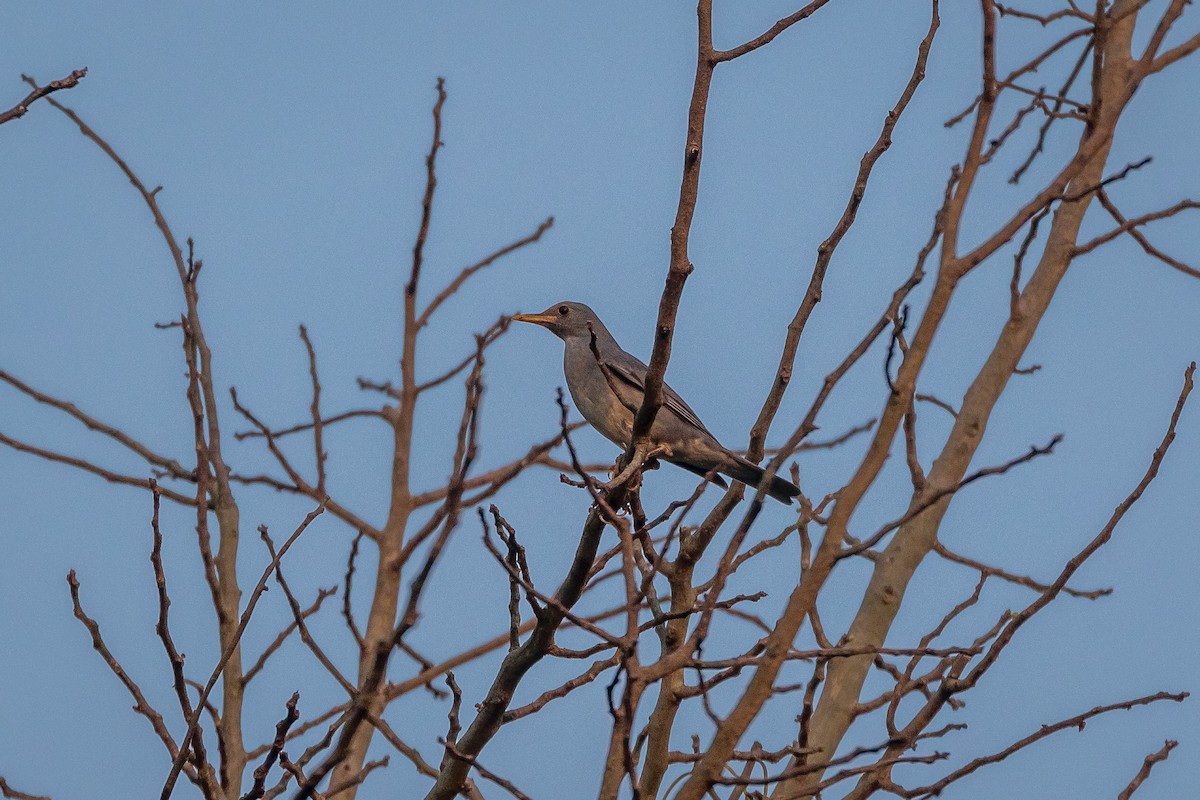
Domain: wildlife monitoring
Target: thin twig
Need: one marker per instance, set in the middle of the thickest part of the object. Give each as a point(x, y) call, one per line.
point(258, 789)
point(1147, 765)
point(259, 588)
point(18, 111)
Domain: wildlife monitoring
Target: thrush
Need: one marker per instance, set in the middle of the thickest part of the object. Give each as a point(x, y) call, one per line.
point(607, 385)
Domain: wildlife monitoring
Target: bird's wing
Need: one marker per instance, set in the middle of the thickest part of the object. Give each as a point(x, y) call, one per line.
point(630, 374)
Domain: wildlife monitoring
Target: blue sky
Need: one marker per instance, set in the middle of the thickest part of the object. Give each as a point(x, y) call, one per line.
point(289, 140)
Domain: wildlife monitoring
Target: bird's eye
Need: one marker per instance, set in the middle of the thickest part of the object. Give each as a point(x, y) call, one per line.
point(562, 310)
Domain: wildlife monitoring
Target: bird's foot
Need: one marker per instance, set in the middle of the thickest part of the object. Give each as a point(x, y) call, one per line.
point(627, 472)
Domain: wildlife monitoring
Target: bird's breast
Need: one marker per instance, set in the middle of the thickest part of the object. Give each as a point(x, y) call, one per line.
point(594, 396)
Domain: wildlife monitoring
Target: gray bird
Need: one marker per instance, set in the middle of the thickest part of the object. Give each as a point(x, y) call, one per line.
point(607, 385)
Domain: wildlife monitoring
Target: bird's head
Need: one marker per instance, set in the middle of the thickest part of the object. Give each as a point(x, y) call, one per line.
point(567, 321)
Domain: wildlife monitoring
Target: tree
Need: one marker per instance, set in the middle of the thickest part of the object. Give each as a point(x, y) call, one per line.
point(660, 601)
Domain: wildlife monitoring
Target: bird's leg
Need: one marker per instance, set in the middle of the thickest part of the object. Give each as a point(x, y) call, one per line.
point(635, 465)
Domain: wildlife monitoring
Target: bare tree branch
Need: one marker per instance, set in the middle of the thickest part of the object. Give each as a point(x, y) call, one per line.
point(18, 111)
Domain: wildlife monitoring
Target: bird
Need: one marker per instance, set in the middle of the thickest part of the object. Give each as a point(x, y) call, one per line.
point(607, 385)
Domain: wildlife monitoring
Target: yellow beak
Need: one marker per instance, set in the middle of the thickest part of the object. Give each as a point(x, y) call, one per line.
point(536, 319)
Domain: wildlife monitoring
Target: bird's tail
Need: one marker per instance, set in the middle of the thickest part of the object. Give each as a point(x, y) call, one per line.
point(750, 474)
